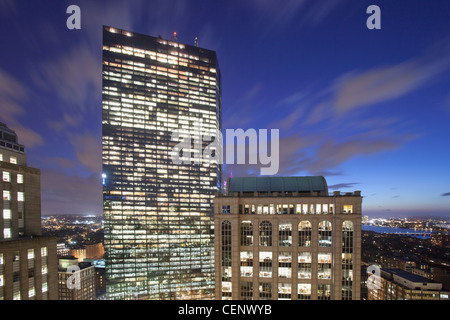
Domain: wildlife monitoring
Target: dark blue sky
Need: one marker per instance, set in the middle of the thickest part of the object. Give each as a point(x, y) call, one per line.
point(368, 109)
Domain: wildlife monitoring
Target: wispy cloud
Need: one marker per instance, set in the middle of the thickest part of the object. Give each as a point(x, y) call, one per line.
point(88, 151)
point(447, 194)
point(329, 139)
point(75, 77)
point(278, 15)
point(243, 109)
point(12, 95)
point(359, 89)
point(343, 185)
point(60, 162)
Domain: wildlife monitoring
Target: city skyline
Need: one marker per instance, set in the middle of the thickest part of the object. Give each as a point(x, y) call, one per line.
point(367, 109)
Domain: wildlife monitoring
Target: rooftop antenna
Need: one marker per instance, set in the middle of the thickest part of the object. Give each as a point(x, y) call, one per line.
point(196, 41)
point(175, 35)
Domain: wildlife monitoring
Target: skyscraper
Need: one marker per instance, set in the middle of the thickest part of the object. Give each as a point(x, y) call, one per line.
point(157, 213)
point(28, 263)
point(286, 238)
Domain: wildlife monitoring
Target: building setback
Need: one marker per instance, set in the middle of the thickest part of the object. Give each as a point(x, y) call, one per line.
point(28, 263)
point(286, 238)
point(157, 214)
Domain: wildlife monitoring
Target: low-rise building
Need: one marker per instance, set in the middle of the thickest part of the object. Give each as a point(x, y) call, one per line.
point(395, 284)
point(76, 280)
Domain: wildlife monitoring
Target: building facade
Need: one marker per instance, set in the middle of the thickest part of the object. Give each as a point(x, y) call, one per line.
point(76, 280)
point(157, 213)
point(94, 251)
point(395, 284)
point(286, 238)
point(27, 260)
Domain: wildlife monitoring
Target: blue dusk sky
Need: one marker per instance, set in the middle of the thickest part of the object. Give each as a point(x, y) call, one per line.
point(367, 109)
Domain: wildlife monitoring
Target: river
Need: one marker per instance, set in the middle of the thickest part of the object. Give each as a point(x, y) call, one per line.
point(379, 229)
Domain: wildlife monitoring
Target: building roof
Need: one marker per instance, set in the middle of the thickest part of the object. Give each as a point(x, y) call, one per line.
point(278, 184)
point(407, 275)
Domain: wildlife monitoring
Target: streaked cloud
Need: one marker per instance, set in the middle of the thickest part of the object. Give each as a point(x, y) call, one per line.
point(88, 151)
point(359, 89)
point(75, 77)
point(278, 15)
point(343, 185)
point(13, 95)
point(317, 118)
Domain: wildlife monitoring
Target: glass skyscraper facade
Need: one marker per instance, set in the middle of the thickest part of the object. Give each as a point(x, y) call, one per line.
point(159, 238)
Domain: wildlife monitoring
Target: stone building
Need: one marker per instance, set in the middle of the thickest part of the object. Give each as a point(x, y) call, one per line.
point(287, 238)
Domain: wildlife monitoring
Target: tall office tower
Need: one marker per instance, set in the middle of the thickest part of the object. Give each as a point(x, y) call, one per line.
point(286, 238)
point(28, 263)
point(157, 212)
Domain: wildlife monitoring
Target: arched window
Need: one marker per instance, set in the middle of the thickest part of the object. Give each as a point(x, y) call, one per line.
point(285, 234)
point(265, 234)
point(304, 234)
point(325, 234)
point(347, 260)
point(246, 233)
point(226, 259)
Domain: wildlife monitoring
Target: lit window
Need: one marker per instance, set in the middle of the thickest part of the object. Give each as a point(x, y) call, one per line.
point(19, 178)
point(6, 195)
point(348, 209)
point(7, 233)
point(6, 214)
point(44, 251)
point(324, 266)
point(325, 230)
point(31, 292)
point(304, 234)
point(6, 176)
point(265, 264)
point(265, 234)
point(20, 196)
point(246, 259)
point(44, 269)
point(246, 233)
point(284, 264)
point(304, 291)
point(13, 160)
point(304, 265)
point(30, 253)
point(285, 234)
